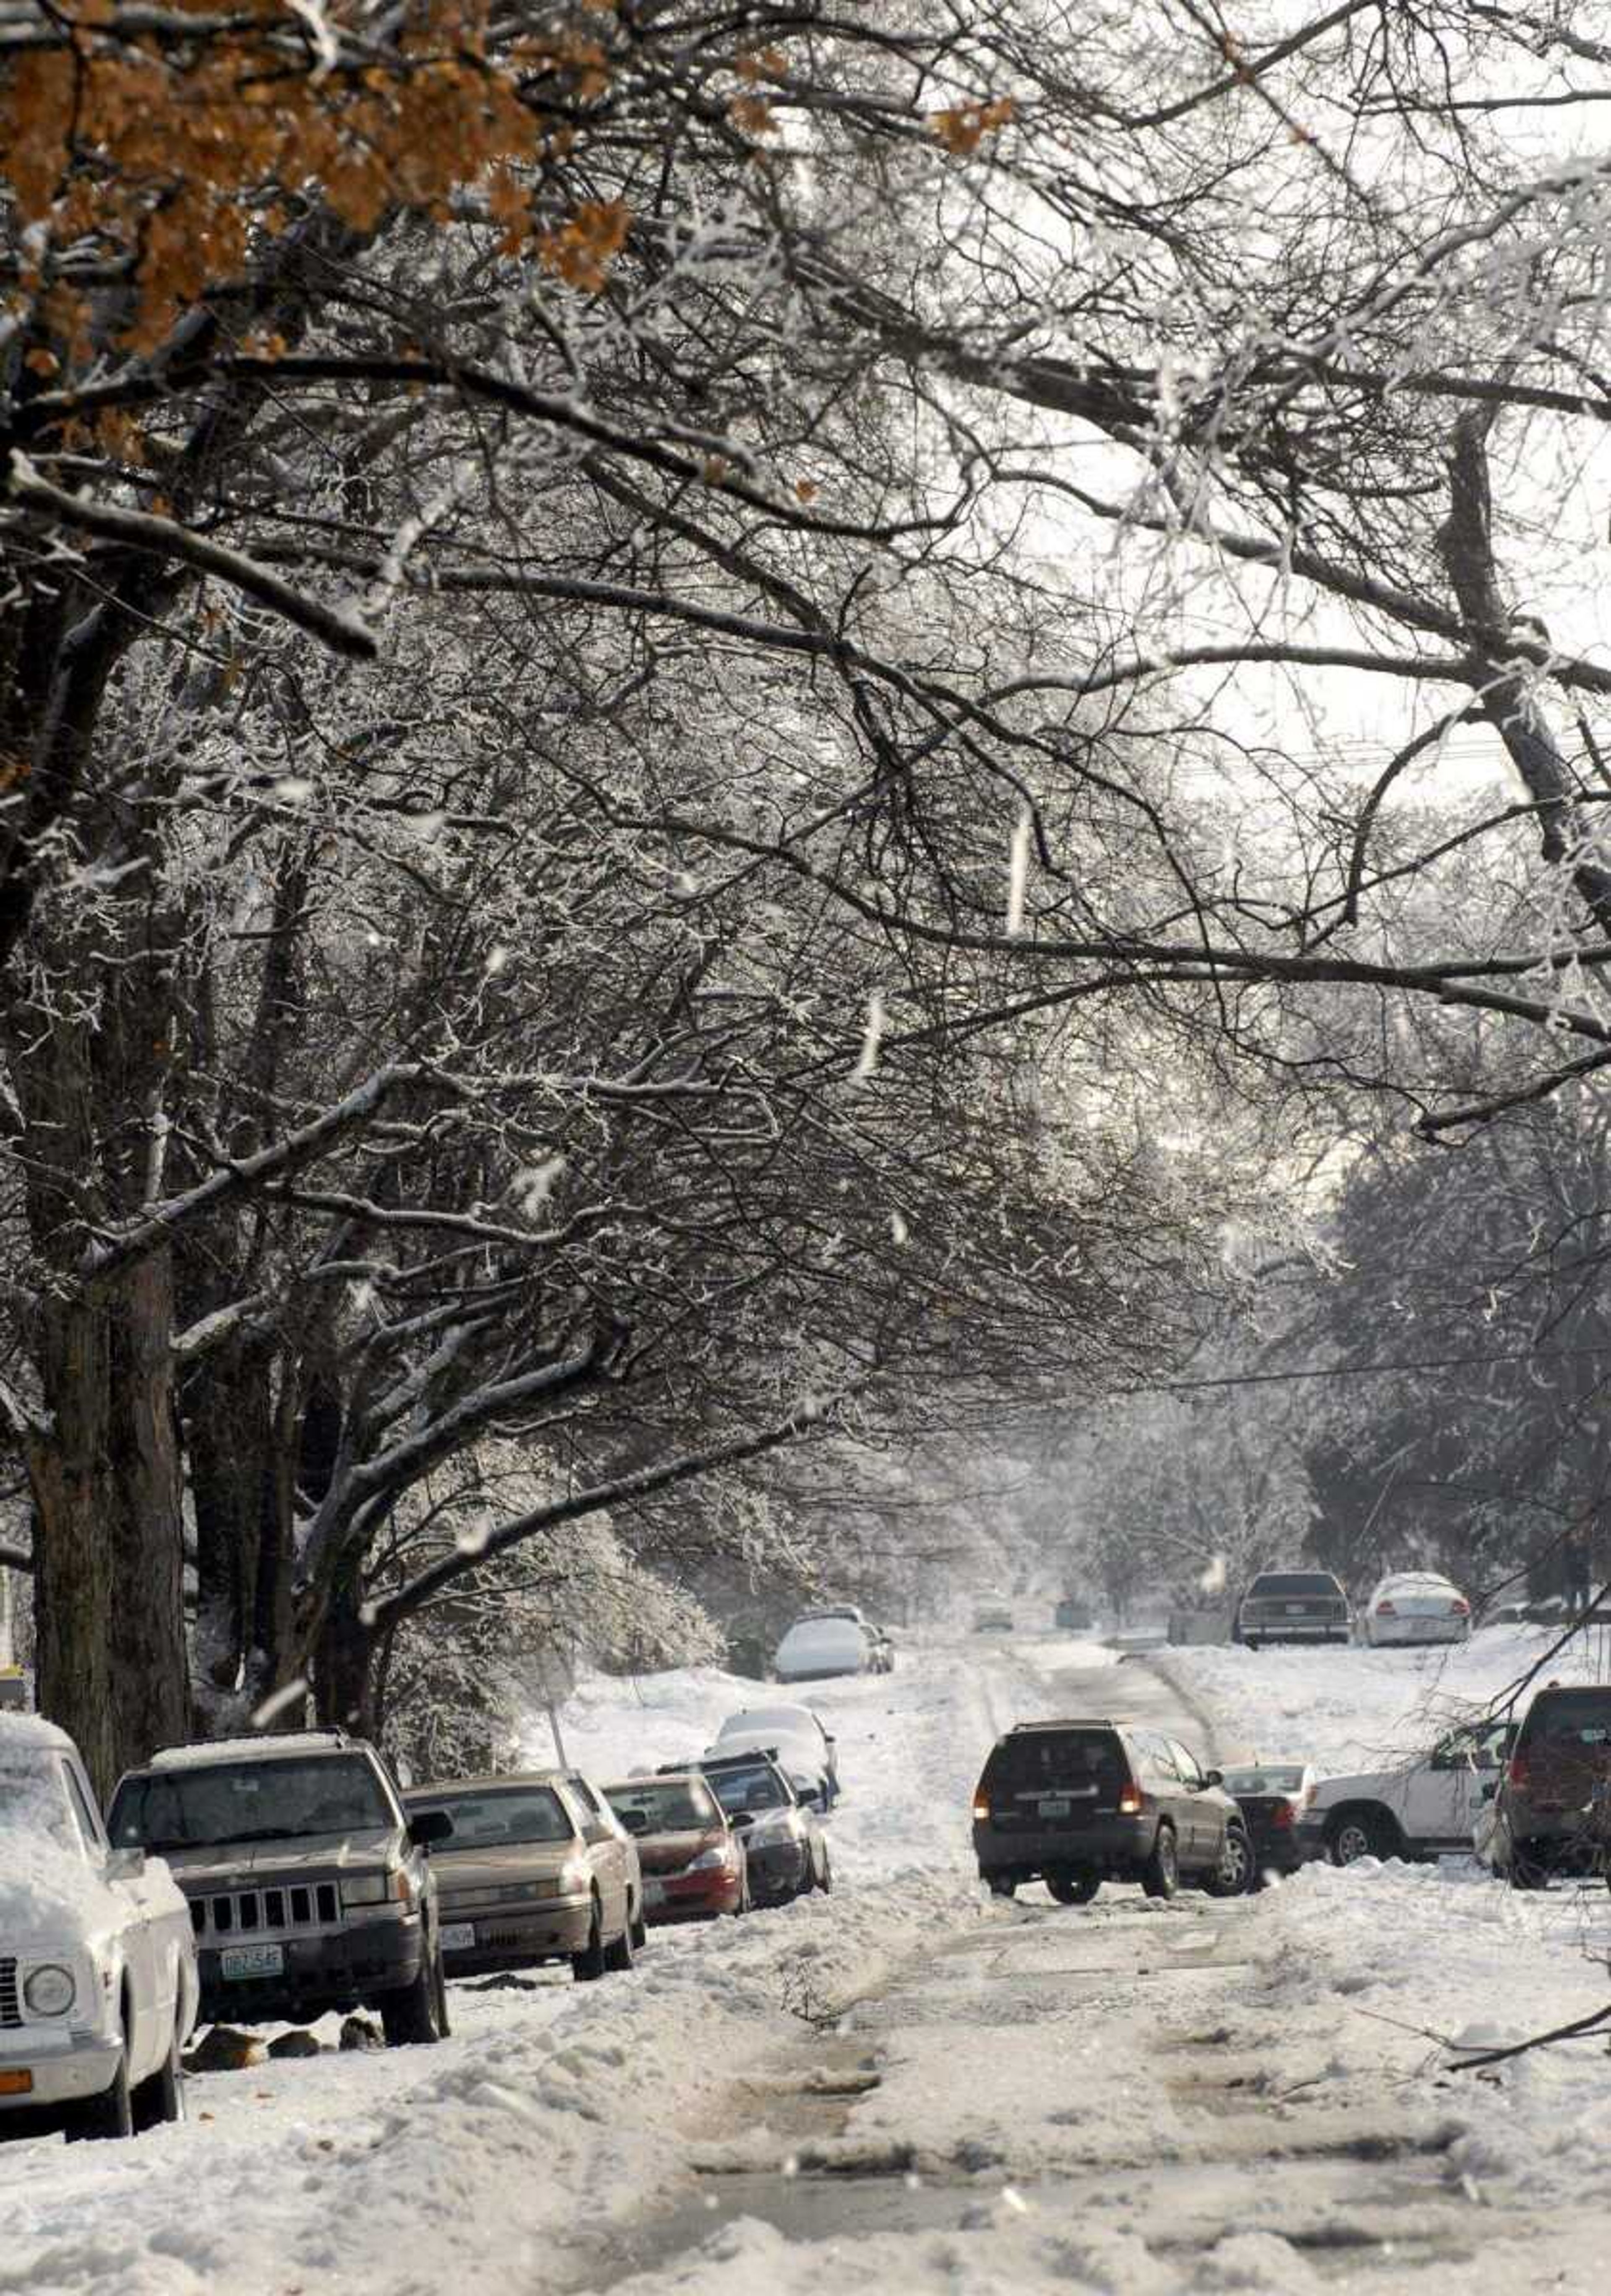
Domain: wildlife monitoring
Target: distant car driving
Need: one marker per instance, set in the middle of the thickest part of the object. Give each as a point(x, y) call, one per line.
point(1415, 1606)
point(530, 1873)
point(99, 1986)
point(1421, 1807)
point(1292, 1606)
point(694, 1863)
point(1077, 1803)
point(814, 1649)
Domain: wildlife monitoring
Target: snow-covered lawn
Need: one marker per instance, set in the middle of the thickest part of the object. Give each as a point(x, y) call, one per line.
point(1345, 1708)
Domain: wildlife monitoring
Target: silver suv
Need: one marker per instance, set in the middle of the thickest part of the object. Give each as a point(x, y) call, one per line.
point(310, 1888)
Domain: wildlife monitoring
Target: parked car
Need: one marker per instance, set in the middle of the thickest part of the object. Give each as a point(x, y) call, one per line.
point(814, 1649)
point(785, 1849)
point(531, 1874)
point(1422, 1806)
point(694, 1863)
point(1077, 1803)
point(1551, 1810)
point(1292, 1606)
point(1073, 1617)
point(1272, 1797)
point(98, 1987)
point(310, 1888)
point(797, 1728)
point(993, 1619)
point(1416, 1606)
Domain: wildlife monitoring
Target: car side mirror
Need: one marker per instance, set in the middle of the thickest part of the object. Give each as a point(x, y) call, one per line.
point(1490, 1789)
point(428, 1825)
point(738, 1819)
point(1213, 1777)
point(125, 1864)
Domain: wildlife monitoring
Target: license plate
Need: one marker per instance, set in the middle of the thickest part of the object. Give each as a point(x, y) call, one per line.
point(654, 1894)
point(1295, 1610)
point(458, 1937)
point(1053, 1805)
point(16, 2084)
point(254, 1960)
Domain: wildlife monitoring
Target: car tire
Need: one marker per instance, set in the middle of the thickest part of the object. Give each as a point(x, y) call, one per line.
point(618, 1953)
point(1234, 1876)
point(1525, 1873)
point(1161, 1874)
point(112, 2113)
point(1001, 1885)
point(1071, 1889)
point(160, 2095)
point(1356, 1834)
point(588, 1965)
point(412, 2017)
point(640, 1931)
point(823, 1878)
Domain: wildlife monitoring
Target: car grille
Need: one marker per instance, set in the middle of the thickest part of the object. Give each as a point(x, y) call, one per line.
point(11, 2008)
point(251, 1913)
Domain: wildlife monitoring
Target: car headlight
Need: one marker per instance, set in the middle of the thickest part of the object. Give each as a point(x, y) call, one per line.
point(366, 1889)
point(574, 1876)
point(49, 1990)
point(710, 1861)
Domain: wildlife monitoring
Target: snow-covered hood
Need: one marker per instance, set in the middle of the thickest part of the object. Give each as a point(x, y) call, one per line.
point(51, 1894)
point(218, 1865)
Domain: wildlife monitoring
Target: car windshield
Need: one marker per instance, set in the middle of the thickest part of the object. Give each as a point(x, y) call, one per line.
point(751, 1789)
point(196, 1809)
point(32, 1802)
point(503, 1814)
point(1295, 1582)
point(1270, 1779)
point(684, 1807)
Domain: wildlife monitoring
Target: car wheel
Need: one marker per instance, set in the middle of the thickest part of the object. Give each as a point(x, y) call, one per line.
point(825, 1875)
point(1161, 1874)
point(640, 1931)
point(618, 1953)
point(160, 2095)
point(443, 2022)
point(1356, 1834)
point(1525, 1873)
point(1233, 1876)
point(588, 1965)
point(1071, 1889)
point(110, 2114)
point(1001, 1886)
point(412, 2017)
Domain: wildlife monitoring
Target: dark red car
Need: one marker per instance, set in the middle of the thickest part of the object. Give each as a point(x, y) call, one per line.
point(693, 1864)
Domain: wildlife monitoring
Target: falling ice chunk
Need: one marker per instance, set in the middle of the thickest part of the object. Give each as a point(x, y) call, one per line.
point(1017, 875)
point(873, 1036)
point(294, 788)
point(898, 1231)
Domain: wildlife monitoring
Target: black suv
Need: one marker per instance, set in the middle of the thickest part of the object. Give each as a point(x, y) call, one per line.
point(1552, 1805)
point(1292, 1606)
point(310, 1888)
point(1076, 1803)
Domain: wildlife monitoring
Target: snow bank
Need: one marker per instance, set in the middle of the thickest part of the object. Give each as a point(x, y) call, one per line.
point(1345, 1709)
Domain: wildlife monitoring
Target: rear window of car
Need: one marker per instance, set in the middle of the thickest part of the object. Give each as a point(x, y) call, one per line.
point(1047, 1757)
point(1295, 1582)
point(1580, 1717)
point(1268, 1779)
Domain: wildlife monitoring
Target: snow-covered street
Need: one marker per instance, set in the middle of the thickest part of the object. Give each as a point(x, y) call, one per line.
point(911, 2086)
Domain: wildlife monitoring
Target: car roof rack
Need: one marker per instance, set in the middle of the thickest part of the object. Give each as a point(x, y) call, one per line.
point(1070, 1722)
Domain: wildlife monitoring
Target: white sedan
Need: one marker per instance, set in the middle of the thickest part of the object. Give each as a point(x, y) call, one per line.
point(814, 1649)
point(796, 1731)
point(98, 1982)
point(1416, 1606)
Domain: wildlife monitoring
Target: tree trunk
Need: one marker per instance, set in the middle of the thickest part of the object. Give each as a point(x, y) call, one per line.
point(230, 1433)
point(342, 1679)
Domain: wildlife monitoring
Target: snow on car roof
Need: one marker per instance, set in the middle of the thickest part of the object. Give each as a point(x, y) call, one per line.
point(209, 1750)
point(33, 1732)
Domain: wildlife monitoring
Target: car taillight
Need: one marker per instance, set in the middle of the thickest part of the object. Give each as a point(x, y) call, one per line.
point(1129, 1801)
point(1460, 1608)
point(1386, 1610)
point(981, 1809)
point(1517, 1774)
point(1284, 1814)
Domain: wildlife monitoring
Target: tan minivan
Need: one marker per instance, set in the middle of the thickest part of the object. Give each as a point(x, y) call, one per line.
point(535, 1870)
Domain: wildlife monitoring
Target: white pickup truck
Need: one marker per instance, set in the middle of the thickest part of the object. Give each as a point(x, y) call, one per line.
point(1422, 1806)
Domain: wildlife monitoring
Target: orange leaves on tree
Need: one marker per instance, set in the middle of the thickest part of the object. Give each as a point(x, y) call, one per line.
point(580, 251)
point(965, 126)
